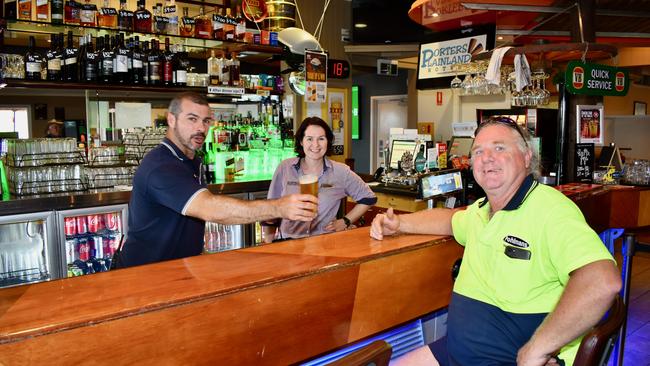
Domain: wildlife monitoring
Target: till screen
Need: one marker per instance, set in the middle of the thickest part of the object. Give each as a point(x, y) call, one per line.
point(398, 149)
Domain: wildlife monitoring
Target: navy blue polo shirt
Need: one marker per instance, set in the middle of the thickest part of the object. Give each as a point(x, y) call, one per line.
point(163, 186)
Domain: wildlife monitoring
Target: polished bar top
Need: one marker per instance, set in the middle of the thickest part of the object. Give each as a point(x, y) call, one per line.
point(345, 285)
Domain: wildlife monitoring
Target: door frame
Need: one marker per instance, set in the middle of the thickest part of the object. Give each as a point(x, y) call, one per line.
point(374, 102)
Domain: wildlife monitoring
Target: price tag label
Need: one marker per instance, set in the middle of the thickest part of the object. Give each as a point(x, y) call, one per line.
point(264, 93)
point(227, 90)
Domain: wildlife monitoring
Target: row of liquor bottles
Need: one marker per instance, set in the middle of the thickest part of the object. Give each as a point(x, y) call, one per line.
point(163, 20)
point(116, 60)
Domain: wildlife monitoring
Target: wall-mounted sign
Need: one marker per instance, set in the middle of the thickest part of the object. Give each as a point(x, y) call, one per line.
point(254, 10)
point(315, 77)
point(584, 163)
point(435, 59)
point(595, 79)
point(590, 124)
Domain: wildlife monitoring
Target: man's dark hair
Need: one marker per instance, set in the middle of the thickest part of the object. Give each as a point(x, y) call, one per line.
point(175, 104)
point(300, 134)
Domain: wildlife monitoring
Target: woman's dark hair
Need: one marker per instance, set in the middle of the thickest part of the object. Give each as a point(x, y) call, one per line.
point(300, 134)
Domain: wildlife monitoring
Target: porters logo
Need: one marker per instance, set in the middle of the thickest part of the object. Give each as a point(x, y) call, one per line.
point(513, 240)
point(578, 77)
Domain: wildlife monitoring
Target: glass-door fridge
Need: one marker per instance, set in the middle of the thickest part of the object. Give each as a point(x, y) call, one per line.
point(219, 237)
point(256, 228)
point(88, 238)
point(28, 250)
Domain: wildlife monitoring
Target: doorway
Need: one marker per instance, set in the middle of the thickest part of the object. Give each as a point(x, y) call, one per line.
point(386, 112)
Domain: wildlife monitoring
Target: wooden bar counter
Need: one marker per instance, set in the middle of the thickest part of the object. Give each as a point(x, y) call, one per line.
point(270, 305)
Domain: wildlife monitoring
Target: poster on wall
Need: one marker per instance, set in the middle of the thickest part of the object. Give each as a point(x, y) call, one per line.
point(315, 77)
point(336, 112)
point(584, 162)
point(590, 124)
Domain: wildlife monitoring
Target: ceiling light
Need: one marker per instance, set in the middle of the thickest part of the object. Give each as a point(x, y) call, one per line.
point(435, 15)
point(360, 25)
point(500, 38)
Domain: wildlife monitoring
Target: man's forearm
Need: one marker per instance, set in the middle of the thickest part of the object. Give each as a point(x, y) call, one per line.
point(587, 296)
point(436, 221)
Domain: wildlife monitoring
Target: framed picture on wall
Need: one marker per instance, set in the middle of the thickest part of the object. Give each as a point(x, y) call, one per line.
point(590, 123)
point(640, 108)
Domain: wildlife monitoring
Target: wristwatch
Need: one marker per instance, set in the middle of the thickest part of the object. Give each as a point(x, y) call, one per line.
point(347, 221)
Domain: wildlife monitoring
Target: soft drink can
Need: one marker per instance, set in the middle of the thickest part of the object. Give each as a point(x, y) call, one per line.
point(106, 246)
point(82, 224)
point(112, 221)
point(98, 247)
point(83, 249)
point(70, 248)
point(93, 223)
point(70, 226)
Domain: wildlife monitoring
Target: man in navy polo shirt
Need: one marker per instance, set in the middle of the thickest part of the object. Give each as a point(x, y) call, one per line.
point(170, 202)
point(534, 277)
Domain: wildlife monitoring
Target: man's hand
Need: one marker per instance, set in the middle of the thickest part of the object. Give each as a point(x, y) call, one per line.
point(298, 207)
point(336, 225)
point(384, 224)
point(527, 357)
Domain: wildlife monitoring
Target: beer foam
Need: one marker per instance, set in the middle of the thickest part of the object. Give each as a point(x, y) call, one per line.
point(307, 179)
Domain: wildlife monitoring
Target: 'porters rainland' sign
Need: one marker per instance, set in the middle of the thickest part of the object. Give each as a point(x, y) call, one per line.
point(595, 79)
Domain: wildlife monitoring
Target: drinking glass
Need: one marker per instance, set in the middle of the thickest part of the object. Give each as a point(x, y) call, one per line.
point(309, 185)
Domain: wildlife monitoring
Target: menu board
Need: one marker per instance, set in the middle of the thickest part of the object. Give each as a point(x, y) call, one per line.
point(584, 162)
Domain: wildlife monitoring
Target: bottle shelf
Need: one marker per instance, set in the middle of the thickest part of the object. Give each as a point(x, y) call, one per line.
point(18, 31)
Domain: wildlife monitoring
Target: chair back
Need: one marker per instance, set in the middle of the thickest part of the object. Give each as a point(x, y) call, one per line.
point(597, 344)
point(376, 353)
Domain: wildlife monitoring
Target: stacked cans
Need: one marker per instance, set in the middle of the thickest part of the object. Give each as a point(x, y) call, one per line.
point(91, 241)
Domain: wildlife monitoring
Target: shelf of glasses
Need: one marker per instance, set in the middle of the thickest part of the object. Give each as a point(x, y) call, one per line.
point(558, 52)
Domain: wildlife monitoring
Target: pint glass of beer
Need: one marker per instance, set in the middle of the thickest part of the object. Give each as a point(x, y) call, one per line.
point(309, 184)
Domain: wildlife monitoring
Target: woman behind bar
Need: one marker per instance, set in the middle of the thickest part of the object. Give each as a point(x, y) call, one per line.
point(313, 141)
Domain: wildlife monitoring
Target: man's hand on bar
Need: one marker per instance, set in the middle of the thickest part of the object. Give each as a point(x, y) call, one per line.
point(384, 224)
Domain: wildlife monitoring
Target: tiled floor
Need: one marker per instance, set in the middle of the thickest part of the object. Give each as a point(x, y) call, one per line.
point(637, 341)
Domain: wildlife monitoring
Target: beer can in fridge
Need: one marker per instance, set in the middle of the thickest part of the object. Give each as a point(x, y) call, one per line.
point(70, 226)
point(93, 223)
point(70, 248)
point(82, 224)
point(83, 249)
point(106, 246)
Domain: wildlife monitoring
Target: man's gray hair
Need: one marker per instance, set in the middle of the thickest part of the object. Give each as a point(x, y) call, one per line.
point(175, 104)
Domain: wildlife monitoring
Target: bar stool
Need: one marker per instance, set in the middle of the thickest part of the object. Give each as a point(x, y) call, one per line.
point(598, 343)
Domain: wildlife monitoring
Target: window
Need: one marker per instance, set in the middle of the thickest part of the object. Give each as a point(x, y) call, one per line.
point(15, 119)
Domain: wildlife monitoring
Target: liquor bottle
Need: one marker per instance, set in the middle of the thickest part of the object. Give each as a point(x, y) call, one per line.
point(71, 12)
point(121, 62)
point(214, 70)
point(10, 9)
point(57, 12)
point(170, 12)
point(89, 62)
point(42, 10)
point(145, 62)
point(124, 17)
point(81, 51)
point(105, 62)
point(155, 64)
point(225, 70)
point(70, 65)
point(107, 16)
point(202, 25)
point(159, 20)
point(234, 71)
point(24, 9)
point(181, 66)
point(137, 71)
point(229, 26)
point(218, 21)
point(142, 18)
point(87, 14)
point(167, 65)
point(240, 28)
point(129, 61)
point(53, 58)
point(33, 61)
point(186, 28)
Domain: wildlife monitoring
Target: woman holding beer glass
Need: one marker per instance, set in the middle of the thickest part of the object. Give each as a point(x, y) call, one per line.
point(314, 173)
